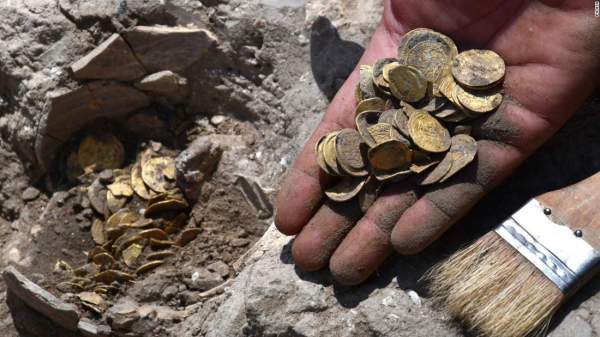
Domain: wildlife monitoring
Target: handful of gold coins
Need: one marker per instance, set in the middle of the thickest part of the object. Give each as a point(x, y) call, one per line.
point(145, 220)
point(406, 109)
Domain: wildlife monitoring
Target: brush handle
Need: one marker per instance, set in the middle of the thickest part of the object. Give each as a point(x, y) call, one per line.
point(578, 207)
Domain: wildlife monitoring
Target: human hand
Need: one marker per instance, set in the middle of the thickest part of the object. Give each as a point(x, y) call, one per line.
point(552, 54)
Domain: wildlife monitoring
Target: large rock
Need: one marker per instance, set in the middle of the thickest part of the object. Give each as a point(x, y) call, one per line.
point(111, 60)
point(169, 48)
point(68, 112)
point(61, 313)
point(270, 297)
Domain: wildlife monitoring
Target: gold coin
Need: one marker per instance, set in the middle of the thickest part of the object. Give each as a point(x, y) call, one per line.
point(104, 259)
point(91, 298)
point(97, 231)
point(479, 102)
point(383, 132)
point(120, 189)
point(351, 152)
point(478, 68)
point(131, 254)
point(157, 173)
point(161, 243)
point(421, 161)
point(100, 152)
point(95, 251)
point(427, 133)
point(365, 88)
point(374, 103)
point(378, 72)
point(369, 193)
point(401, 122)
point(462, 151)
point(363, 121)
point(386, 70)
point(387, 116)
point(114, 203)
point(450, 114)
point(439, 171)
point(407, 83)
point(330, 155)
point(148, 266)
point(125, 241)
point(462, 129)
point(171, 204)
point(123, 216)
point(345, 189)
point(394, 175)
point(320, 152)
point(156, 233)
point(429, 51)
point(389, 156)
point(161, 255)
point(111, 275)
point(432, 103)
point(187, 236)
point(137, 183)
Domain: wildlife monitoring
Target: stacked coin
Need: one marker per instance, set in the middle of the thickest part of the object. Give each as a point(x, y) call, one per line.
point(142, 220)
point(412, 117)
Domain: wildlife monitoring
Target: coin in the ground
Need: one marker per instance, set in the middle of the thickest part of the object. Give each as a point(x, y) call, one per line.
point(187, 236)
point(478, 68)
point(363, 121)
point(430, 51)
point(427, 133)
point(131, 254)
point(389, 156)
point(157, 172)
point(373, 103)
point(97, 232)
point(100, 151)
point(401, 122)
point(345, 189)
point(351, 152)
point(137, 183)
point(319, 153)
point(481, 101)
point(148, 266)
point(407, 83)
point(463, 151)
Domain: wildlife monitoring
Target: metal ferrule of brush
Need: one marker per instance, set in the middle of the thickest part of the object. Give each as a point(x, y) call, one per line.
point(561, 255)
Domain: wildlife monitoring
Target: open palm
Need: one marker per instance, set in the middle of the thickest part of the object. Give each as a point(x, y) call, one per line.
point(552, 53)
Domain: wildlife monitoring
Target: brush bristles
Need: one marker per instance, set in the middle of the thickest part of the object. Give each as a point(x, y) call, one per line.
point(494, 290)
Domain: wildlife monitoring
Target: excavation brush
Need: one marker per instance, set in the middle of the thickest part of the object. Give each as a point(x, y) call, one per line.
point(510, 282)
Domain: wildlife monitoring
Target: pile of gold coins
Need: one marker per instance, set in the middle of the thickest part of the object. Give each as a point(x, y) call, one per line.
point(141, 221)
point(412, 117)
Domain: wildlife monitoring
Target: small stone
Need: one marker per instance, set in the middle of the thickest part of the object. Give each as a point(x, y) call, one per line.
point(61, 313)
point(90, 329)
point(169, 48)
point(106, 177)
point(167, 84)
point(30, 193)
point(239, 242)
point(217, 119)
point(196, 164)
point(123, 315)
point(113, 59)
point(203, 279)
point(219, 267)
point(414, 297)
